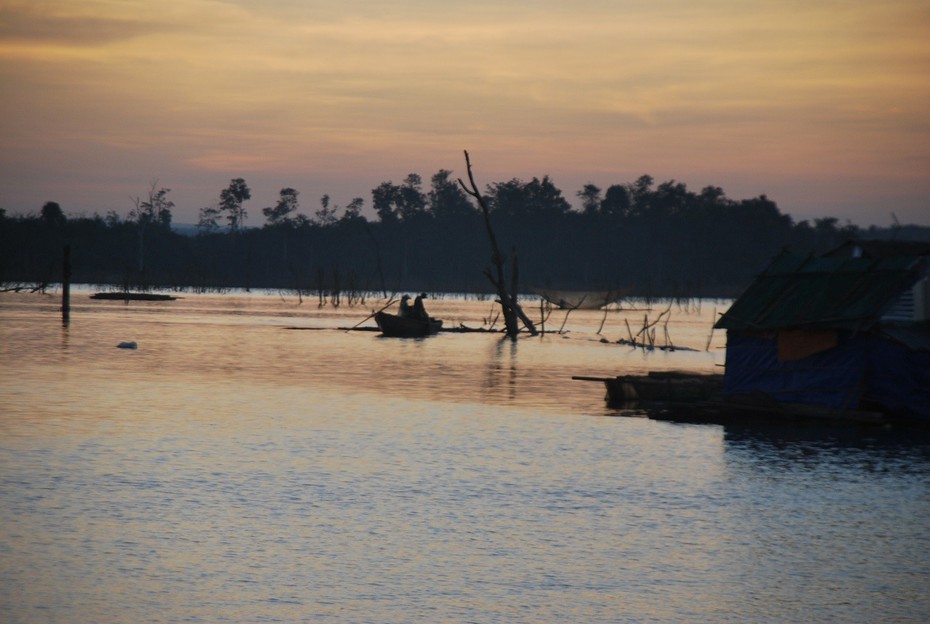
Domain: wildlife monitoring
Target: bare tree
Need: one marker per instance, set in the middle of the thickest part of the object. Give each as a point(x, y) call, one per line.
point(507, 298)
point(156, 210)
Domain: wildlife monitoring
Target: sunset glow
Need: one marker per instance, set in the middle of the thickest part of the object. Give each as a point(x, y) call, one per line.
point(823, 107)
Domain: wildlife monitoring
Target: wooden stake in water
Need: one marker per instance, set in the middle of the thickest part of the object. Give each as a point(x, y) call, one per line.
point(66, 285)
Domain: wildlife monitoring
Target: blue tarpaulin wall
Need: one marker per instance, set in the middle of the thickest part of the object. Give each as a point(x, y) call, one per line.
point(862, 368)
point(832, 378)
point(899, 378)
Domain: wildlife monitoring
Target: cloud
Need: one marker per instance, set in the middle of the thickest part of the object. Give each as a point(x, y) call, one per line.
point(289, 87)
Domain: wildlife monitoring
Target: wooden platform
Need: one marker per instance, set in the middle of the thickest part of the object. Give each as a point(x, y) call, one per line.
point(694, 397)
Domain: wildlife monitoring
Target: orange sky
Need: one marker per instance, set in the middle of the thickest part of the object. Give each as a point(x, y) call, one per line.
point(823, 106)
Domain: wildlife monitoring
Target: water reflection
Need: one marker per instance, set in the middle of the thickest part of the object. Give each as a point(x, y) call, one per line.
point(502, 368)
point(251, 472)
point(811, 446)
point(832, 512)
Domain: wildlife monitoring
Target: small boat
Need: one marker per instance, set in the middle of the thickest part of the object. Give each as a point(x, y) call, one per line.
point(406, 327)
point(579, 299)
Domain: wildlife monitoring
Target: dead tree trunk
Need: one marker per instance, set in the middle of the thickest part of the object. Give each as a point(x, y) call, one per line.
point(66, 285)
point(507, 299)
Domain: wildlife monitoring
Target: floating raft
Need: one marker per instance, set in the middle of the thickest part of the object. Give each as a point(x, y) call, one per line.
point(659, 386)
point(132, 296)
point(693, 397)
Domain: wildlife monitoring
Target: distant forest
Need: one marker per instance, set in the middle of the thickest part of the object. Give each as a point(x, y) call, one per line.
point(649, 240)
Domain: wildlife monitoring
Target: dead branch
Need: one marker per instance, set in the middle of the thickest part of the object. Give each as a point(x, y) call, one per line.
point(508, 300)
point(603, 320)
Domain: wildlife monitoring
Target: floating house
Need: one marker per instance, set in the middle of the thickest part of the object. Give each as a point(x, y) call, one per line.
point(844, 332)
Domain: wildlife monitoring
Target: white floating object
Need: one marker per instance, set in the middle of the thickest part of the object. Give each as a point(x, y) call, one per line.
point(127, 345)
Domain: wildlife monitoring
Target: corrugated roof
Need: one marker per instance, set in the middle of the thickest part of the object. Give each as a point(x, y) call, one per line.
point(799, 292)
point(881, 248)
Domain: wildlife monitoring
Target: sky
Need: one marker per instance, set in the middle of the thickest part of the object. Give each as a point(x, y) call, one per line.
point(823, 106)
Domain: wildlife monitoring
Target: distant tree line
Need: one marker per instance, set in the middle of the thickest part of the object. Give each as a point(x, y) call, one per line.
point(649, 239)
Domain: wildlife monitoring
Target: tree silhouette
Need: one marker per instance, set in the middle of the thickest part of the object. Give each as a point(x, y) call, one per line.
point(326, 215)
point(155, 210)
point(53, 215)
point(207, 219)
point(616, 202)
point(231, 200)
point(650, 239)
point(446, 198)
point(281, 212)
point(590, 196)
point(353, 211)
point(395, 203)
point(536, 199)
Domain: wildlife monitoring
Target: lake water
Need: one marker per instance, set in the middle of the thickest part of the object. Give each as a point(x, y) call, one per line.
point(251, 461)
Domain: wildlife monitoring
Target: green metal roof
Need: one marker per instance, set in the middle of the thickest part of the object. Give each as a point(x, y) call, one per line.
point(809, 292)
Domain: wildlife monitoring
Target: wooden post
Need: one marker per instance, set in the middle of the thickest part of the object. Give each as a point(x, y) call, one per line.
point(66, 286)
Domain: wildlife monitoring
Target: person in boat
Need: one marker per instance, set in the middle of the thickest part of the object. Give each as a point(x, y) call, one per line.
point(419, 312)
point(405, 310)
